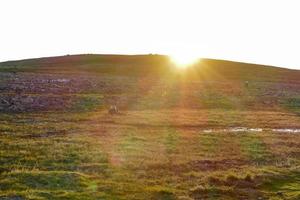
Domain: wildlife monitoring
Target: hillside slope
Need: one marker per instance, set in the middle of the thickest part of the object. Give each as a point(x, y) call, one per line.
point(144, 82)
point(199, 133)
point(144, 65)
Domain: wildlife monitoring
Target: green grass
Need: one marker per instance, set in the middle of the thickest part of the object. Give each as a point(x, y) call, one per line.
point(156, 148)
point(283, 185)
point(112, 161)
point(292, 104)
point(254, 148)
point(87, 103)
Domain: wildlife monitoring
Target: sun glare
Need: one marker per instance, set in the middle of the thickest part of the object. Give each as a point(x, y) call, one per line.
point(184, 60)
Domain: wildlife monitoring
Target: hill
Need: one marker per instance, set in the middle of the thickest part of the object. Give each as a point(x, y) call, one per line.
point(216, 130)
point(144, 65)
point(150, 82)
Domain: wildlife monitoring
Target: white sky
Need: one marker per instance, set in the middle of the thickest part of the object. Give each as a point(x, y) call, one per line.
point(258, 31)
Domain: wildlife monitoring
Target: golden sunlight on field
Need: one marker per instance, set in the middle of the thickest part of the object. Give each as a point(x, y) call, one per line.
point(134, 127)
point(184, 59)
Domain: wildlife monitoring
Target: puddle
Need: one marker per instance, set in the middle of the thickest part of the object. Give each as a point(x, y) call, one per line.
point(245, 129)
point(286, 130)
point(235, 129)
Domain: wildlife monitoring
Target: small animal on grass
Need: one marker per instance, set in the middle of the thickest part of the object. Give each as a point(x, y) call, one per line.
point(113, 110)
point(246, 83)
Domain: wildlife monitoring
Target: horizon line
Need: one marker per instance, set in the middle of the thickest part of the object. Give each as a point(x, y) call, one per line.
point(145, 54)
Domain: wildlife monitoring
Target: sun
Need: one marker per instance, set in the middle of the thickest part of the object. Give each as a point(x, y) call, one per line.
point(184, 60)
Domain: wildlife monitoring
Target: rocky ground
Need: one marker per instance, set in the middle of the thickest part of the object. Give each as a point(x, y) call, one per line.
point(23, 92)
point(28, 92)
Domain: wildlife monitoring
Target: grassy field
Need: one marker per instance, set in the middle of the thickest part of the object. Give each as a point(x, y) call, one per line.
point(175, 137)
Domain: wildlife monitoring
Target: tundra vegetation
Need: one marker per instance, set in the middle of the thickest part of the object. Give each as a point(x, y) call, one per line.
point(217, 130)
